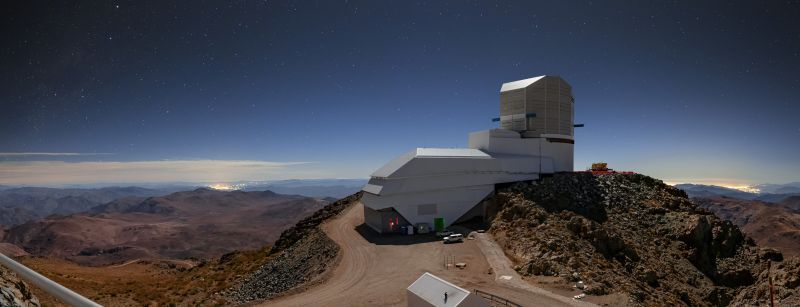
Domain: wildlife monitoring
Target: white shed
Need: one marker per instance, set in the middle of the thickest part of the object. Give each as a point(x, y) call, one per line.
point(429, 290)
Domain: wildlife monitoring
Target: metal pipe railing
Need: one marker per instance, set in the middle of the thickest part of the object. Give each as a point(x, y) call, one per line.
point(496, 299)
point(60, 292)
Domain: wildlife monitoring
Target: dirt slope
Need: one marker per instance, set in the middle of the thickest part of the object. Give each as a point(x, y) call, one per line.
point(301, 256)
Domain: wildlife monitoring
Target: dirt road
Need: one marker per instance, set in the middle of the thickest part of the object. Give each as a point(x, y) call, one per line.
point(376, 270)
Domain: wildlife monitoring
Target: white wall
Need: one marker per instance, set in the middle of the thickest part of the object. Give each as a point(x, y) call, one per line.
point(450, 203)
point(562, 153)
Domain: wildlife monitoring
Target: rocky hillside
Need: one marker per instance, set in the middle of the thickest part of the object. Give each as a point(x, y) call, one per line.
point(14, 292)
point(300, 257)
point(635, 235)
point(774, 225)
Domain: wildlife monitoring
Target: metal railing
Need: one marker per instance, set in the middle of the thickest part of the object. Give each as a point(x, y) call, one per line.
point(496, 300)
point(60, 292)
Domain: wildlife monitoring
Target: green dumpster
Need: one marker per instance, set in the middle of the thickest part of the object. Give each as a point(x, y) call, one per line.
point(438, 224)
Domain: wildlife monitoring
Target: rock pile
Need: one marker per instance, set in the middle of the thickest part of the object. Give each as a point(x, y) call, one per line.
point(14, 292)
point(299, 257)
point(628, 234)
point(296, 265)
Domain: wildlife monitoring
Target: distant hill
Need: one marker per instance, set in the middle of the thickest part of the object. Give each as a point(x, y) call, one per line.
point(201, 223)
point(701, 190)
point(773, 193)
point(334, 188)
point(22, 204)
point(792, 202)
point(785, 188)
point(19, 205)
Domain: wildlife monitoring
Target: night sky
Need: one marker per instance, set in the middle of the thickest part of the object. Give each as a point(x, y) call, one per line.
point(110, 91)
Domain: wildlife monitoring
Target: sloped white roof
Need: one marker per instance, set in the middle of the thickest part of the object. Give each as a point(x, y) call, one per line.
point(431, 289)
point(515, 85)
point(452, 153)
point(398, 162)
point(372, 188)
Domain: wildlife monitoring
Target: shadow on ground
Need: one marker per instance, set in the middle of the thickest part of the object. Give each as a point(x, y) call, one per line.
point(394, 239)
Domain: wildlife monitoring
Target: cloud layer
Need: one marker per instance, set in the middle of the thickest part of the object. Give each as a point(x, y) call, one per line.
point(60, 172)
point(52, 154)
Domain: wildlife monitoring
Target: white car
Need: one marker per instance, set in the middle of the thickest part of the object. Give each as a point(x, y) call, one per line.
point(444, 233)
point(454, 238)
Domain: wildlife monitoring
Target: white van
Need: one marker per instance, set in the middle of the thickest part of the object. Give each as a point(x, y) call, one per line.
point(457, 237)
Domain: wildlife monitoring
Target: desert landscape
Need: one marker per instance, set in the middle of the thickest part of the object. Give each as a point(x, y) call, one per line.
point(195, 224)
point(611, 232)
point(399, 153)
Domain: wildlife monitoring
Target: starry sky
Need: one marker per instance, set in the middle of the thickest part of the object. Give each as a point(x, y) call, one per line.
point(147, 91)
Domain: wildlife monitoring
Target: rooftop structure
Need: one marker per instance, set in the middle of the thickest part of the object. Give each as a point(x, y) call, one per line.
point(440, 186)
point(429, 290)
point(536, 106)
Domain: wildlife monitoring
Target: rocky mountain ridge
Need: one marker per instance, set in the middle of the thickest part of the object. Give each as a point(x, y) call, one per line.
point(775, 225)
point(635, 235)
point(14, 292)
point(20, 205)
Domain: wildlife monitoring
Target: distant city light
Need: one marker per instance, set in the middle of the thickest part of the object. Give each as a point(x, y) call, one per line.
point(226, 186)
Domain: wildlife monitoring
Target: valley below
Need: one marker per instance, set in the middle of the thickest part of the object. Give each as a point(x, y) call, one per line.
point(196, 224)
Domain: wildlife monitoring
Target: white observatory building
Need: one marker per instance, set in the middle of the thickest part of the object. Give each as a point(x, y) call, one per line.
point(441, 186)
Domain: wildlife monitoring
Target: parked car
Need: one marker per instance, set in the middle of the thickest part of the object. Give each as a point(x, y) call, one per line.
point(454, 238)
point(444, 233)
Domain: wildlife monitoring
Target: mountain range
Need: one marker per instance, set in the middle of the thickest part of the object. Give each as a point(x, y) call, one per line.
point(19, 205)
point(771, 217)
point(202, 223)
point(766, 192)
point(22, 204)
point(334, 188)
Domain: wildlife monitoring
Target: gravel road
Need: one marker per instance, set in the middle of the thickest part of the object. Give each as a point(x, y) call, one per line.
point(375, 270)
